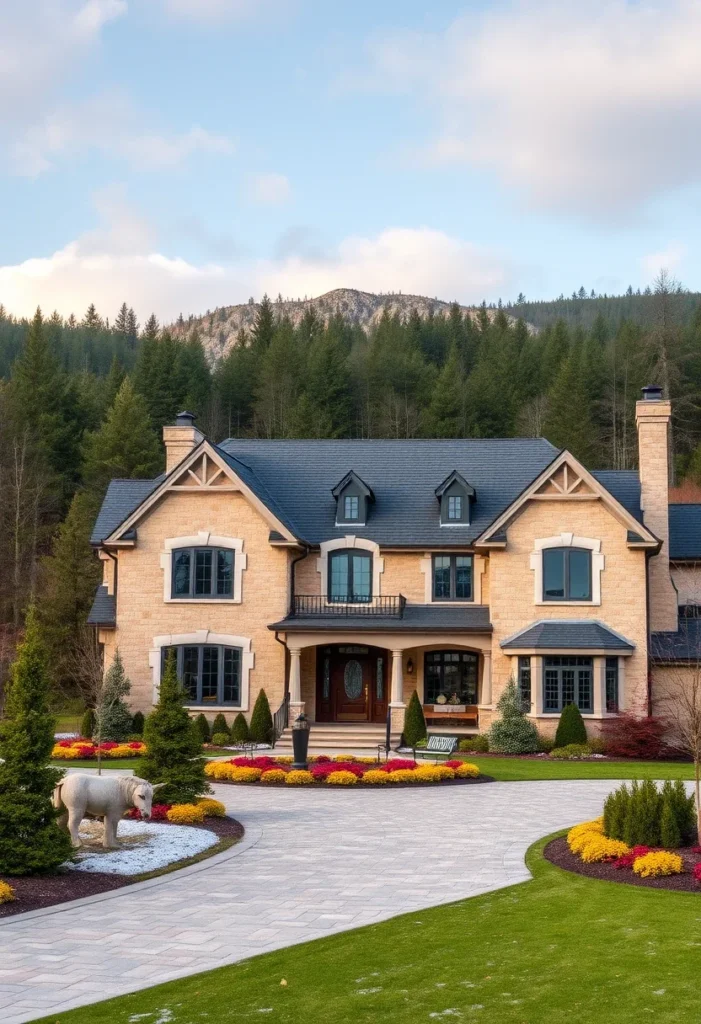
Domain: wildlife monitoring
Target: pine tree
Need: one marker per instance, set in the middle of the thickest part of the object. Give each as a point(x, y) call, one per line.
point(261, 727)
point(445, 415)
point(174, 756)
point(202, 726)
point(114, 381)
point(512, 733)
point(125, 445)
point(568, 423)
point(113, 720)
point(137, 723)
point(414, 722)
point(670, 835)
point(30, 838)
point(151, 328)
point(263, 325)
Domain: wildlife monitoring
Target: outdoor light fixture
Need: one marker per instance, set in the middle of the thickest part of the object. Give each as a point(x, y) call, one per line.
point(410, 667)
point(300, 742)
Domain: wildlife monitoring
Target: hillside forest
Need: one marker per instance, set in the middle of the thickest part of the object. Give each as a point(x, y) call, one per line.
point(83, 401)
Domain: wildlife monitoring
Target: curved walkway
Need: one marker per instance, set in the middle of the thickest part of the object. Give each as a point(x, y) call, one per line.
point(312, 863)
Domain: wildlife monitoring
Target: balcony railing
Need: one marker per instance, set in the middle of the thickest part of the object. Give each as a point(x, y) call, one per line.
point(388, 605)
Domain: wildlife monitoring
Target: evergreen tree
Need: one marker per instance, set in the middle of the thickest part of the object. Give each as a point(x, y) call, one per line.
point(414, 722)
point(263, 325)
point(570, 728)
point(151, 328)
point(114, 381)
point(568, 422)
point(125, 445)
point(202, 726)
point(445, 415)
point(137, 723)
point(30, 838)
point(174, 757)
point(239, 729)
point(113, 720)
point(512, 733)
point(261, 727)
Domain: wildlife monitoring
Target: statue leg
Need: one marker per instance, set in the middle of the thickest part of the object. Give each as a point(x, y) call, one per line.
point(75, 816)
point(109, 840)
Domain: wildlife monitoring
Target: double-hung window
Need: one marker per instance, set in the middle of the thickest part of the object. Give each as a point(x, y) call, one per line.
point(351, 507)
point(350, 577)
point(524, 682)
point(203, 573)
point(452, 577)
point(209, 673)
point(566, 574)
point(568, 680)
point(612, 685)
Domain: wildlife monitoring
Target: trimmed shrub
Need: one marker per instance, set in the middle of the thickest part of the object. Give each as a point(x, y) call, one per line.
point(631, 734)
point(174, 754)
point(670, 835)
point(221, 739)
point(657, 863)
point(513, 733)
point(616, 812)
point(467, 771)
point(684, 810)
point(597, 745)
point(7, 893)
point(202, 726)
point(341, 778)
point(642, 824)
point(572, 752)
point(87, 724)
point(298, 777)
point(545, 743)
point(570, 728)
point(414, 722)
point(475, 745)
point(186, 814)
point(137, 724)
point(239, 730)
point(219, 725)
point(261, 727)
point(212, 808)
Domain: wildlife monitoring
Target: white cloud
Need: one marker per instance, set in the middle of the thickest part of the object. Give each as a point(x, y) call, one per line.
point(220, 10)
point(666, 259)
point(120, 262)
point(588, 109)
point(269, 189)
point(110, 124)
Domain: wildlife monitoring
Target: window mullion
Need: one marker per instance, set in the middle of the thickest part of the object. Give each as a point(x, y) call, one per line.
point(200, 667)
point(453, 577)
point(193, 571)
point(220, 674)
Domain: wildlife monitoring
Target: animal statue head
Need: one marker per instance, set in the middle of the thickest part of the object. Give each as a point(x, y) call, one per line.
point(141, 793)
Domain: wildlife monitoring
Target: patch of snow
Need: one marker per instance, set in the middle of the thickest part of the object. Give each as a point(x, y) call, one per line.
point(158, 846)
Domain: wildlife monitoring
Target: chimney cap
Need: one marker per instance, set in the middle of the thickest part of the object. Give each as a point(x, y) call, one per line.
point(652, 393)
point(185, 419)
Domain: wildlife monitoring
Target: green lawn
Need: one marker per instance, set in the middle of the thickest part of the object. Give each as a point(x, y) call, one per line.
point(560, 948)
point(511, 769)
point(117, 762)
point(69, 721)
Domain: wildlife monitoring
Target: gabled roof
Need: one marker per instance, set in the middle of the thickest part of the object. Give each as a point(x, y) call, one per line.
point(685, 532)
point(121, 499)
point(567, 635)
point(352, 478)
point(453, 478)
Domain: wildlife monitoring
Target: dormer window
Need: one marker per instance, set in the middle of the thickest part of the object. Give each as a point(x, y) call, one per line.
point(455, 495)
point(353, 496)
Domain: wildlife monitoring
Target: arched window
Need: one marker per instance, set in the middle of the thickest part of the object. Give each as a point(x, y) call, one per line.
point(567, 574)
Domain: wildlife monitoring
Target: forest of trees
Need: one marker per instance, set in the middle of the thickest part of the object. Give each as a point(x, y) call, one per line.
point(84, 401)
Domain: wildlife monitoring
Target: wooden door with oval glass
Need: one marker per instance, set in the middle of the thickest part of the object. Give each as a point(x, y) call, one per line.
point(351, 684)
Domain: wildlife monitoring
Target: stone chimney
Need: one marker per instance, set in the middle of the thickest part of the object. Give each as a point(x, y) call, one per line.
point(652, 416)
point(180, 439)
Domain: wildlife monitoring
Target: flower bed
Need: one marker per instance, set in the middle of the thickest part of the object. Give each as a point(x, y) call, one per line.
point(343, 771)
point(86, 750)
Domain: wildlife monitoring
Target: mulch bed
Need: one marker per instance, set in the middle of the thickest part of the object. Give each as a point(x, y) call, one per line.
point(558, 852)
point(33, 892)
point(316, 786)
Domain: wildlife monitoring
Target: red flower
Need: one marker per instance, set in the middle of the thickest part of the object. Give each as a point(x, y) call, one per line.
point(135, 745)
point(66, 743)
point(396, 764)
point(321, 771)
point(86, 752)
point(108, 745)
point(626, 861)
point(697, 872)
point(254, 762)
point(159, 812)
point(452, 764)
point(322, 759)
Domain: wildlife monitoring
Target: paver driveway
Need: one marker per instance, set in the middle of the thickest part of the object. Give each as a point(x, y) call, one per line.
point(312, 863)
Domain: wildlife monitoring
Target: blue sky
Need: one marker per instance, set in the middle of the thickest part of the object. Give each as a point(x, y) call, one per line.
point(183, 154)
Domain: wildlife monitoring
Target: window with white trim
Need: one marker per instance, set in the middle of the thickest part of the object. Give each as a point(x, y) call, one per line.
point(202, 573)
point(210, 673)
point(566, 574)
point(568, 679)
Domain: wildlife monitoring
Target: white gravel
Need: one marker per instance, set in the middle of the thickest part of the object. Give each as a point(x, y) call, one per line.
point(151, 846)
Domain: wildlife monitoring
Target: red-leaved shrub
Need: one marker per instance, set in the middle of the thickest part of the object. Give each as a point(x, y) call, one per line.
point(628, 735)
point(697, 872)
point(626, 861)
point(254, 762)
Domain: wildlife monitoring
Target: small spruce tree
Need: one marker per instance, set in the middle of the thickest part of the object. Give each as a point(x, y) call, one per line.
point(137, 723)
point(615, 812)
point(414, 722)
point(113, 718)
point(570, 728)
point(642, 824)
point(202, 726)
point(261, 727)
point(513, 733)
point(174, 755)
point(239, 730)
point(31, 840)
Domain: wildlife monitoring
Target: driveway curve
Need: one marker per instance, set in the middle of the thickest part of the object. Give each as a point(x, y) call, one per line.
point(313, 862)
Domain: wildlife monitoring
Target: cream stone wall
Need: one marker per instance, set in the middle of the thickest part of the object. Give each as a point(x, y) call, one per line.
point(142, 614)
point(623, 586)
point(687, 580)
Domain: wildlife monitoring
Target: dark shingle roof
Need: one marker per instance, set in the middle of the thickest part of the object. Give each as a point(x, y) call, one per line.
point(564, 635)
point(123, 496)
point(684, 645)
point(685, 532)
point(624, 485)
point(104, 609)
point(403, 476)
point(429, 617)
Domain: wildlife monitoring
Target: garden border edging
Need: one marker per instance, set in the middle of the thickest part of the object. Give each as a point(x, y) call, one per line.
point(251, 837)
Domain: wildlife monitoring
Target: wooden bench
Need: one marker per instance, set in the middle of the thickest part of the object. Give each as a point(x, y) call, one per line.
point(470, 716)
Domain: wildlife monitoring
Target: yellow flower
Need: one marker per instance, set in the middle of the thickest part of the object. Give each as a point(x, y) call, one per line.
point(467, 771)
point(341, 779)
point(578, 833)
point(236, 774)
point(273, 775)
point(345, 758)
point(429, 773)
point(212, 808)
point(299, 778)
point(596, 847)
point(7, 893)
point(375, 777)
point(403, 775)
point(658, 862)
point(186, 814)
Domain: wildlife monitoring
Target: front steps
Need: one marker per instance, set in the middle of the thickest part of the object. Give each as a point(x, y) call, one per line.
point(337, 738)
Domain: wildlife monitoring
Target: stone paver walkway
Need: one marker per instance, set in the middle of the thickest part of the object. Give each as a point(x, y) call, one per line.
point(312, 863)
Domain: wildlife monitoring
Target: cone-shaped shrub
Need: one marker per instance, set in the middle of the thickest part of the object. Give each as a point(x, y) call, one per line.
point(615, 813)
point(174, 754)
point(642, 826)
point(261, 728)
point(513, 733)
point(669, 829)
point(414, 722)
point(87, 724)
point(239, 730)
point(683, 809)
point(112, 715)
point(570, 728)
point(202, 726)
point(219, 725)
point(137, 723)
point(30, 838)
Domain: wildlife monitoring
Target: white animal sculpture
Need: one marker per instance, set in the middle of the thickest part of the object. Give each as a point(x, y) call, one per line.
point(104, 797)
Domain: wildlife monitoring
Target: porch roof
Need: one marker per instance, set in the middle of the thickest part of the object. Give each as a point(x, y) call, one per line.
point(416, 617)
point(104, 609)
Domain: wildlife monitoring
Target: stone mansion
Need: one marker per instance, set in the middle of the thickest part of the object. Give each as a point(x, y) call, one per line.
point(342, 575)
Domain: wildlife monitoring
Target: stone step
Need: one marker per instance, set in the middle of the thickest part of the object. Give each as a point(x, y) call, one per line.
point(331, 736)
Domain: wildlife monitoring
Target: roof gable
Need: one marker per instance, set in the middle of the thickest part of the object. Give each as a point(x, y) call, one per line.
point(352, 478)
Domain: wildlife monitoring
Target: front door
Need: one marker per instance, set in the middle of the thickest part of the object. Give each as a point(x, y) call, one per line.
point(351, 684)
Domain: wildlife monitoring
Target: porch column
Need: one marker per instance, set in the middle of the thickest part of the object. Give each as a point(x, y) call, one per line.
point(397, 694)
point(296, 702)
point(537, 684)
point(486, 695)
point(599, 686)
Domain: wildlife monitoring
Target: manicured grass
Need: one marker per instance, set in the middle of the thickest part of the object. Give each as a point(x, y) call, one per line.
point(117, 762)
point(560, 948)
point(68, 721)
point(512, 769)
